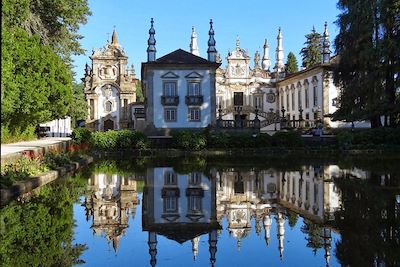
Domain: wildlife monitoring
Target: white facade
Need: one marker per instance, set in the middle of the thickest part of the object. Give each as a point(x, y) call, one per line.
point(110, 88)
point(172, 200)
point(183, 80)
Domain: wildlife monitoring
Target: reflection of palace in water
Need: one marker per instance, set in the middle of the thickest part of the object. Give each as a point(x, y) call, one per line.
point(112, 200)
point(182, 207)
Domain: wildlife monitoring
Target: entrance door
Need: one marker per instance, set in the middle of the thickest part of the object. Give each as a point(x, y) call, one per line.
point(108, 125)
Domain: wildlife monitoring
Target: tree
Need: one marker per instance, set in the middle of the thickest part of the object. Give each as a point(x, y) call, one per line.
point(368, 71)
point(311, 53)
point(79, 110)
point(38, 38)
point(56, 22)
point(291, 64)
point(139, 93)
point(38, 84)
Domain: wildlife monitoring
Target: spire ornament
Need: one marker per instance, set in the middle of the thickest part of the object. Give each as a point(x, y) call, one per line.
point(266, 62)
point(151, 48)
point(326, 52)
point(194, 49)
point(279, 66)
point(211, 51)
point(114, 38)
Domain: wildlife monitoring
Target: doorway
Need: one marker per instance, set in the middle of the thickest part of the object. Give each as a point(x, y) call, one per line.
point(108, 125)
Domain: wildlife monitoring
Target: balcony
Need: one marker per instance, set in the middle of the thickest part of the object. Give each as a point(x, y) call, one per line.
point(194, 100)
point(169, 100)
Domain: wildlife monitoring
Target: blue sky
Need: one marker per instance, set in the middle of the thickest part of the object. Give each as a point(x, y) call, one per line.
point(251, 20)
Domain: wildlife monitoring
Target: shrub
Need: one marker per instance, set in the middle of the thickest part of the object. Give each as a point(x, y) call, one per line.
point(54, 160)
point(263, 140)
point(287, 139)
point(81, 135)
point(124, 139)
point(17, 134)
point(21, 169)
point(188, 140)
point(218, 140)
point(345, 139)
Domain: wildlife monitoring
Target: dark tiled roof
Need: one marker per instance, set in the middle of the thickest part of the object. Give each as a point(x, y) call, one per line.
point(182, 57)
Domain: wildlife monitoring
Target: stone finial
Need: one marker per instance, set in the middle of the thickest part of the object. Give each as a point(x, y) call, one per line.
point(194, 48)
point(326, 52)
point(211, 51)
point(114, 38)
point(279, 66)
point(257, 60)
point(266, 62)
point(151, 48)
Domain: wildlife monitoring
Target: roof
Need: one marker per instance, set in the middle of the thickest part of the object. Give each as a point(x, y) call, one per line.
point(180, 56)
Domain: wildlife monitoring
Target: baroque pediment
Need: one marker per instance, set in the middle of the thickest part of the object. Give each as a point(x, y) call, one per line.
point(194, 75)
point(170, 75)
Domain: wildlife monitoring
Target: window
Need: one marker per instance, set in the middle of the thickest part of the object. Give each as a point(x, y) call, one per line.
point(195, 178)
point(287, 102)
point(169, 88)
point(238, 98)
point(258, 101)
point(299, 98)
point(194, 114)
point(170, 114)
point(292, 100)
point(307, 191)
point(306, 97)
point(195, 204)
point(193, 89)
point(334, 102)
point(315, 93)
point(220, 102)
point(108, 106)
point(307, 116)
point(282, 104)
point(170, 204)
point(91, 101)
point(126, 114)
point(169, 178)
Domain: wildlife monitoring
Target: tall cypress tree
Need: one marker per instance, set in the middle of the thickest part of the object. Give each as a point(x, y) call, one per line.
point(368, 71)
point(291, 64)
point(311, 53)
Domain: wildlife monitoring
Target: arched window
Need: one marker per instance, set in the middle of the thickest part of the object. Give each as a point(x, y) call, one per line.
point(108, 106)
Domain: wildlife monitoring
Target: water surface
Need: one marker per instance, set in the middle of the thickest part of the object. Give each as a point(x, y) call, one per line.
point(210, 212)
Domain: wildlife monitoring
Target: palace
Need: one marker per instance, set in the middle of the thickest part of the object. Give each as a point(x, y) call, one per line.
point(185, 91)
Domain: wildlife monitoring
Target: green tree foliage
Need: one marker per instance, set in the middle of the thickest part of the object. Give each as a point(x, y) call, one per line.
point(369, 211)
point(311, 53)
point(291, 64)
point(40, 231)
point(37, 85)
point(38, 38)
point(79, 110)
point(56, 22)
point(139, 93)
point(368, 72)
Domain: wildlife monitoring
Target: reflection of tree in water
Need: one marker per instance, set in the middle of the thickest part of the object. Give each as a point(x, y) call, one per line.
point(314, 234)
point(369, 224)
point(292, 218)
point(40, 232)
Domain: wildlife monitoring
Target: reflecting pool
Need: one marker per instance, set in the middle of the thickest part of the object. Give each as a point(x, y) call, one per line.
point(209, 212)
